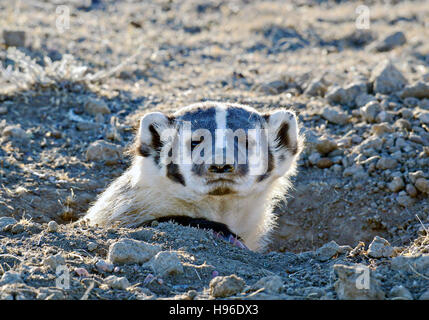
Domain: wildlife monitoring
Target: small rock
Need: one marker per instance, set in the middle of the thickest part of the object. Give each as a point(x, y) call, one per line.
point(314, 158)
point(347, 95)
point(424, 117)
point(271, 284)
point(382, 128)
point(380, 248)
point(411, 263)
point(92, 246)
point(411, 190)
point(370, 111)
point(144, 234)
point(10, 277)
point(396, 185)
point(337, 95)
point(52, 226)
point(411, 102)
point(317, 87)
point(384, 116)
point(325, 145)
point(95, 106)
point(273, 87)
point(99, 119)
point(166, 263)
point(416, 138)
point(425, 295)
point(424, 103)
point(115, 282)
point(387, 79)
point(415, 175)
point(419, 90)
point(405, 201)
point(327, 251)
point(222, 287)
point(81, 272)
point(6, 221)
point(400, 292)
point(364, 99)
point(386, 163)
point(391, 41)
point(403, 124)
point(54, 261)
point(335, 115)
point(14, 38)
point(104, 266)
point(356, 283)
point(324, 163)
point(87, 126)
point(101, 150)
point(422, 185)
point(406, 113)
point(129, 251)
point(15, 131)
point(3, 110)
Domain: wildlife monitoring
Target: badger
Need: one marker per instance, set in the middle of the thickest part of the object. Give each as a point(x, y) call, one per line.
point(218, 162)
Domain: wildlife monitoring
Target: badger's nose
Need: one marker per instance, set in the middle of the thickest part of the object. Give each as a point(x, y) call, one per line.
point(223, 168)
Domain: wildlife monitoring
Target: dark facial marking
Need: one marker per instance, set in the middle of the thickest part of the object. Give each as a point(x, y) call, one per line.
point(145, 150)
point(173, 173)
point(198, 169)
point(156, 139)
point(142, 149)
point(270, 167)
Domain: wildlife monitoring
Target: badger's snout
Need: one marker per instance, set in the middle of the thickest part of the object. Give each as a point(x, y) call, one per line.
point(221, 168)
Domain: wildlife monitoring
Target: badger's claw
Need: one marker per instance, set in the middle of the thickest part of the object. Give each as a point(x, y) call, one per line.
point(231, 239)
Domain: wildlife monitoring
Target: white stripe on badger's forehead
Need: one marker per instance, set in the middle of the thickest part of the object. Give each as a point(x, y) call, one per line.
point(221, 113)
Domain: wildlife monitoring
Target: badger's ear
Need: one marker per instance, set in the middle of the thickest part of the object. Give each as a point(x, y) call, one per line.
point(152, 129)
point(283, 130)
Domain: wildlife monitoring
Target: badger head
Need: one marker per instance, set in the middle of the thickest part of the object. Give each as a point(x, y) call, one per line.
point(216, 149)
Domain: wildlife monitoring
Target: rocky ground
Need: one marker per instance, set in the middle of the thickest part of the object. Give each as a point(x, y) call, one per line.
point(71, 96)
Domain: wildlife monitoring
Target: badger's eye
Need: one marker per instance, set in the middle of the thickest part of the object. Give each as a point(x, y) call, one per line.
point(196, 143)
point(250, 143)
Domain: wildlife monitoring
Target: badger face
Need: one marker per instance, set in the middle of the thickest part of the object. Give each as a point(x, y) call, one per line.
point(217, 149)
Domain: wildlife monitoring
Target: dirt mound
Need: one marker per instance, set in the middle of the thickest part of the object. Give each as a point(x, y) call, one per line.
point(172, 261)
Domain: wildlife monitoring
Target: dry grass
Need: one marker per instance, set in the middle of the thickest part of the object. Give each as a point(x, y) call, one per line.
point(419, 245)
point(27, 74)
